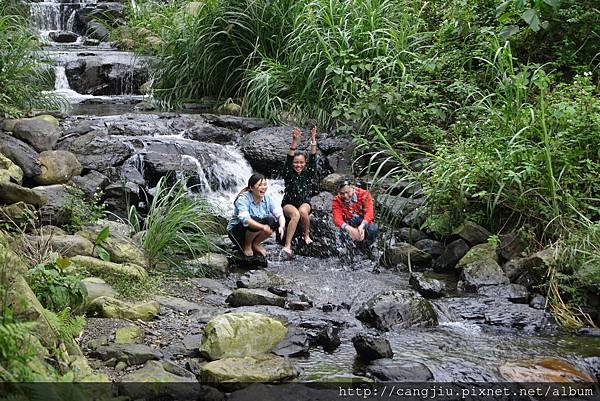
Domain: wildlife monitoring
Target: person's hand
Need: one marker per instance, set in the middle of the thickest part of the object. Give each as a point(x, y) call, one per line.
point(281, 231)
point(313, 133)
point(354, 233)
point(266, 229)
point(361, 232)
point(296, 133)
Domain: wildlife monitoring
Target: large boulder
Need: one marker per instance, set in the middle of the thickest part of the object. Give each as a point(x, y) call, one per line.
point(241, 334)
point(254, 296)
point(13, 193)
point(451, 255)
point(398, 308)
point(259, 368)
point(66, 245)
point(37, 132)
point(55, 210)
point(57, 167)
point(427, 286)
point(132, 354)
point(407, 254)
point(529, 271)
point(110, 269)
point(481, 273)
point(160, 380)
point(370, 347)
point(120, 249)
point(513, 292)
point(22, 154)
point(485, 251)
point(472, 233)
point(91, 183)
point(399, 371)
point(108, 307)
point(9, 171)
point(97, 151)
point(214, 264)
point(96, 76)
point(96, 288)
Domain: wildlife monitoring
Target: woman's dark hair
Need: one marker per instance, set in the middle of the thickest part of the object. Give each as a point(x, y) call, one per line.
point(299, 153)
point(342, 182)
point(254, 178)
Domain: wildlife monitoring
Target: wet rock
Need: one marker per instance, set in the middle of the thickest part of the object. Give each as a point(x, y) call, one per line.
point(426, 286)
point(129, 335)
point(98, 151)
point(245, 124)
point(91, 183)
point(255, 279)
point(538, 301)
point(9, 171)
point(511, 245)
point(259, 368)
point(96, 288)
point(478, 252)
point(205, 313)
point(103, 268)
point(410, 235)
point(543, 371)
point(178, 304)
point(132, 354)
point(63, 36)
point(529, 271)
point(481, 273)
point(472, 233)
point(96, 30)
point(399, 371)
point(249, 297)
point(401, 308)
point(416, 218)
point(13, 193)
point(188, 346)
point(212, 286)
point(370, 347)
point(397, 206)
point(236, 334)
point(452, 254)
point(322, 202)
point(120, 195)
point(38, 133)
point(404, 253)
point(113, 308)
point(513, 292)
point(499, 312)
point(299, 305)
point(20, 153)
point(169, 382)
point(294, 344)
point(432, 247)
point(328, 338)
point(203, 132)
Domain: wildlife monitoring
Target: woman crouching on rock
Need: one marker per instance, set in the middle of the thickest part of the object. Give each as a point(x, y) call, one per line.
point(298, 174)
point(255, 217)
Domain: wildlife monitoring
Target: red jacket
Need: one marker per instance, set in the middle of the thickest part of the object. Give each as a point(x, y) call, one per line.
point(361, 204)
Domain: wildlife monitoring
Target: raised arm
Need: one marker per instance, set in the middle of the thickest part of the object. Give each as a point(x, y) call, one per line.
point(313, 140)
point(296, 134)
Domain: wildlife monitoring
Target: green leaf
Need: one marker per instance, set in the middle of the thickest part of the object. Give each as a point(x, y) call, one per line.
point(102, 235)
point(531, 17)
point(103, 254)
point(553, 3)
point(509, 31)
point(63, 262)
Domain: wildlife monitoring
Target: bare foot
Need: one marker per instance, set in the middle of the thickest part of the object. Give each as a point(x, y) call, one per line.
point(248, 252)
point(287, 251)
point(259, 249)
point(308, 240)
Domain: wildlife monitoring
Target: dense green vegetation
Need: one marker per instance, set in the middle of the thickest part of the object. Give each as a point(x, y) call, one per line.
point(24, 74)
point(492, 107)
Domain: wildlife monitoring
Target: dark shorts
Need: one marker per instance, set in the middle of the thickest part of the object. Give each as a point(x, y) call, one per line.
point(237, 234)
point(297, 205)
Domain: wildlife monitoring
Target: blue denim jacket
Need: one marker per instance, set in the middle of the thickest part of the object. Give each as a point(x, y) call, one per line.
point(245, 208)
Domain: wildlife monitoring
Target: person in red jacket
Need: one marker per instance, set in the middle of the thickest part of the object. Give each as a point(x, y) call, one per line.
point(353, 212)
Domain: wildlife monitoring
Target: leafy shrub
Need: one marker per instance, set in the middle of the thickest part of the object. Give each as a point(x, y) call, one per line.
point(81, 210)
point(55, 287)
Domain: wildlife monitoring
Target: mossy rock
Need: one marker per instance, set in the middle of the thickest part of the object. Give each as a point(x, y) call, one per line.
point(259, 368)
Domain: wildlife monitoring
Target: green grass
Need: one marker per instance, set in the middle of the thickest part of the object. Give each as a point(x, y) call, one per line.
point(177, 227)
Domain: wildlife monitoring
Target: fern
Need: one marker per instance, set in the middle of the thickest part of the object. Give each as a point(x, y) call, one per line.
point(15, 351)
point(64, 324)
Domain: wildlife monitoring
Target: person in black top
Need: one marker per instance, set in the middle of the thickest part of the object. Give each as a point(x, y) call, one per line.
point(298, 174)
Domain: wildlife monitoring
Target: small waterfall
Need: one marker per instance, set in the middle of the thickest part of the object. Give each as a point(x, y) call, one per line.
point(46, 16)
point(60, 80)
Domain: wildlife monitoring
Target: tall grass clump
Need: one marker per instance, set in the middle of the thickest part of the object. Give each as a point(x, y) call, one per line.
point(24, 74)
point(177, 227)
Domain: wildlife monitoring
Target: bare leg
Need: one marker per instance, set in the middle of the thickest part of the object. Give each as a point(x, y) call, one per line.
point(248, 240)
point(294, 215)
point(256, 244)
point(304, 210)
